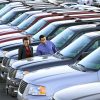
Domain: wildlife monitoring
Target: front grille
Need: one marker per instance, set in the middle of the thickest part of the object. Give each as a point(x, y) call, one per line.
point(53, 99)
point(22, 86)
point(12, 73)
point(4, 61)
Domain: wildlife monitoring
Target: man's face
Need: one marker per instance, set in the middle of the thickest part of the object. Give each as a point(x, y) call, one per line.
point(43, 40)
point(26, 42)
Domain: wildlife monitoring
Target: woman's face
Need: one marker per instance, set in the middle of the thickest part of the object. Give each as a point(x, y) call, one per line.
point(26, 42)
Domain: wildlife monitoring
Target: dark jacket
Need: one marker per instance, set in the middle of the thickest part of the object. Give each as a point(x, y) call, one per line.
point(22, 52)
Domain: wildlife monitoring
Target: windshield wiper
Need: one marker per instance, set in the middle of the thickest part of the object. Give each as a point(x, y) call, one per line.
point(81, 67)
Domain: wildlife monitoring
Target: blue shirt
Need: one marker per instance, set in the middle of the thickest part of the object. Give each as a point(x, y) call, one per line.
point(47, 48)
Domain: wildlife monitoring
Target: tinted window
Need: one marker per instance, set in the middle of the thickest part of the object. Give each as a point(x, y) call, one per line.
point(62, 38)
point(75, 47)
point(26, 23)
point(19, 20)
point(10, 16)
point(36, 27)
point(7, 16)
point(57, 31)
point(4, 10)
point(46, 31)
point(92, 61)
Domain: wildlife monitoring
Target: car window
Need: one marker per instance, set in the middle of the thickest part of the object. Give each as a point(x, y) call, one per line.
point(26, 22)
point(94, 46)
point(36, 27)
point(19, 20)
point(57, 31)
point(91, 61)
point(75, 47)
point(62, 38)
point(46, 31)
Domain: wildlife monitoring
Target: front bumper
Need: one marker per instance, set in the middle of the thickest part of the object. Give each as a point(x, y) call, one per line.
point(1, 58)
point(29, 97)
point(3, 71)
point(13, 84)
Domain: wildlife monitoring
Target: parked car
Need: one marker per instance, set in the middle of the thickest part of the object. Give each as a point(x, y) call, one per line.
point(33, 19)
point(57, 27)
point(9, 35)
point(90, 91)
point(9, 7)
point(18, 31)
point(38, 62)
point(40, 86)
point(68, 4)
point(3, 3)
point(11, 15)
point(31, 29)
point(19, 19)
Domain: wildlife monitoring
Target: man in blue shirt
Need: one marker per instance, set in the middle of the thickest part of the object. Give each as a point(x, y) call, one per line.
point(45, 47)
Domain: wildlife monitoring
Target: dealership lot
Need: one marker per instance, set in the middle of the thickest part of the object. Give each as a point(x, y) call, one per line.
point(47, 46)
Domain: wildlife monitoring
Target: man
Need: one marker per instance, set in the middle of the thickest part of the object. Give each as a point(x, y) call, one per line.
point(25, 50)
point(45, 47)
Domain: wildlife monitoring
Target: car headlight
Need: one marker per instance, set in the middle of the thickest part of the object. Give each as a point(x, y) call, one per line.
point(20, 74)
point(37, 90)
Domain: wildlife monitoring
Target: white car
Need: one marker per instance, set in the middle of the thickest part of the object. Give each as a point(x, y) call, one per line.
point(90, 91)
point(42, 84)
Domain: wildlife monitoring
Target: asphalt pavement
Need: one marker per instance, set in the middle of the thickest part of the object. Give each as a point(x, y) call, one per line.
point(3, 95)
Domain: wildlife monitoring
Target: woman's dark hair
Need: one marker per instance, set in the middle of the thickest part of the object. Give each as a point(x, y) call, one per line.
point(41, 36)
point(27, 38)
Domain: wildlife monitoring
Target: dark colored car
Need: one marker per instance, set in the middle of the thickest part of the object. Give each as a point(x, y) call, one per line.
point(60, 58)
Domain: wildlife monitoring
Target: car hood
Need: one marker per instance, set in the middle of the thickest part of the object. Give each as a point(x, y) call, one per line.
point(4, 26)
point(11, 36)
point(14, 53)
point(35, 61)
point(8, 43)
point(47, 72)
point(7, 30)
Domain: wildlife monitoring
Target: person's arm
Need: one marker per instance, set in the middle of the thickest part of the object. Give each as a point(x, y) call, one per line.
point(38, 52)
point(54, 48)
point(20, 53)
point(32, 52)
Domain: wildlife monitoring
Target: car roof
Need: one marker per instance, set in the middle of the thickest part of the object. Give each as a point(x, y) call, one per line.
point(80, 27)
point(93, 34)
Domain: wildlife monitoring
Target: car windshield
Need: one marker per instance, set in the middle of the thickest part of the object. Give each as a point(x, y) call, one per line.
point(36, 27)
point(4, 10)
point(26, 23)
point(75, 47)
point(46, 31)
point(7, 16)
point(91, 61)
point(19, 19)
point(63, 37)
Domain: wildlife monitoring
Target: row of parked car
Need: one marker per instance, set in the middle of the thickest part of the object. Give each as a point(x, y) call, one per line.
point(75, 33)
